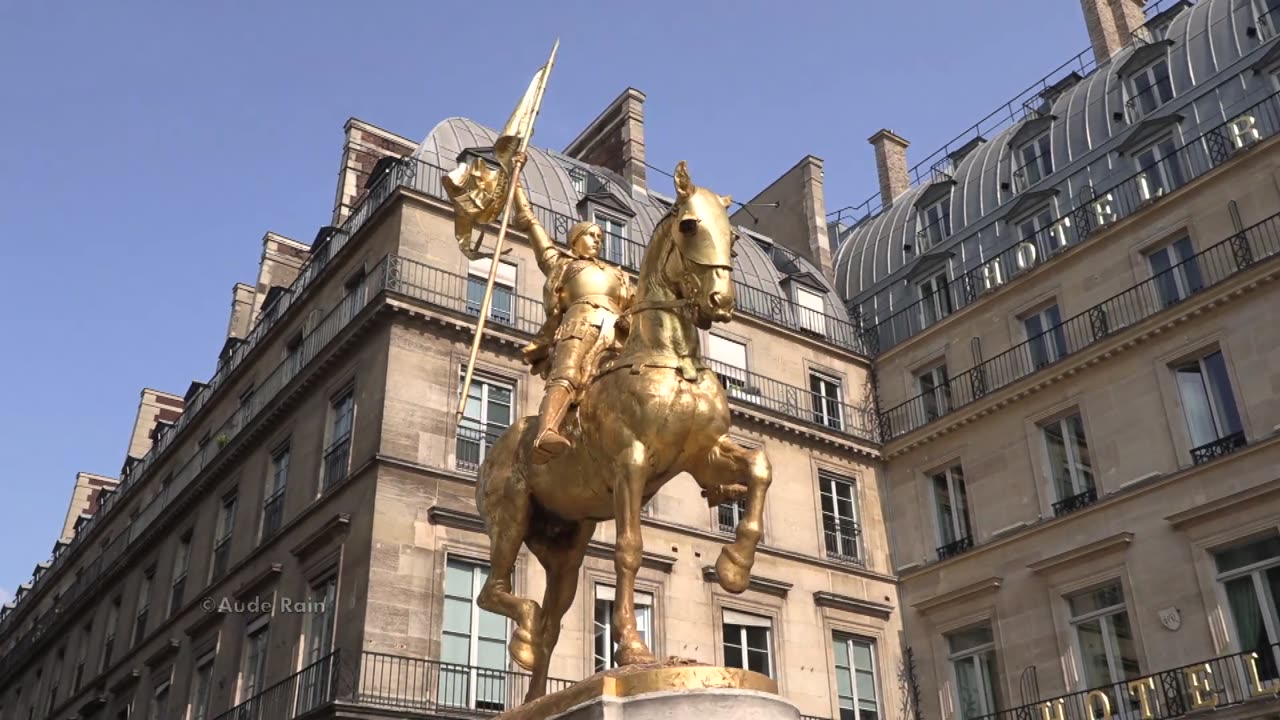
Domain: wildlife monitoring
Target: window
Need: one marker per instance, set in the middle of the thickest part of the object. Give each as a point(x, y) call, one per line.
point(82, 654)
point(729, 361)
point(856, 678)
point(273, 505)
point(748, 642)
point(160, 699)
point(1070, 467)
point(1104, 638)
point(293, 355)
point(840, 528)
point(223, 531)
point(812, 309)
point(54, 677)
point(578, 179)
point(181, 562)
point(1035, 162)
point(951, 500)
point(485, 416)
point(729, 514)
point(1161, 169)
point(827, 400)
point(615, 234)
point(474, 643)
point(1150, 88)
point(935, 391)
point(1250, 577)
point(935, 223)
point(109, 641)
point(1030, 228)
point(144, 606)
point(502, 307)
point(337, 456)
point(1176, 272)
point(253, 665)
point(313, 686)
point(1268, 17)
point(935, 299)
point(1207, 401)
point(201, 684)
point(973, 660)
point(604, 645)
point(1046, 336)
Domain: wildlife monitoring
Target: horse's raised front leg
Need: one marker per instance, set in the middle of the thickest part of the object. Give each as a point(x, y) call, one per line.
point(722, 473)
point(628, 494)
point(507, 523)
point(561, 561)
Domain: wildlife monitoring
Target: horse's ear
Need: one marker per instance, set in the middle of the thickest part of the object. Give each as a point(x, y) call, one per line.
point(684, 185)
point(726, 200)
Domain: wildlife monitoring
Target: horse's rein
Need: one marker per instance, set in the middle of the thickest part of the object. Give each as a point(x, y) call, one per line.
point(671, 304)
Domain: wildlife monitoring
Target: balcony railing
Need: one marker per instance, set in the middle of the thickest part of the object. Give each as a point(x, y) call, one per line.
point(1075, 502)
point(1217, 683)
point(728, 515)
point(410, 684)
point(1220, 262)
point(840, 539)
point(956, 547)
point(1218, 448)
point(1094, 210)
point(473, 443)
point(441, 289)
point(313, 687)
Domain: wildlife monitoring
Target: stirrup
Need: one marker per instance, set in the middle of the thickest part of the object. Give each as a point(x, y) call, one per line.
point(549, 444)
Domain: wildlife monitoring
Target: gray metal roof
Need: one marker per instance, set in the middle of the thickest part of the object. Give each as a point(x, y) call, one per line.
point(547, 181)
point(1207, 42)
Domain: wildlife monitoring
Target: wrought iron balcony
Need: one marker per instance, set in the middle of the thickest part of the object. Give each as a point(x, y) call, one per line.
point(1094, 209)
point(404, 684)
point(1216, 683)
point(956, 547)
point(1214, 265)
point(313, 687)
point(1218, 448)
point(1075, 502)
point(841, 540)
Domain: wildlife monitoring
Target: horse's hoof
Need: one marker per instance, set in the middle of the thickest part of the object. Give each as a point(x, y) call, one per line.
point(521, 648)
point(734, 575)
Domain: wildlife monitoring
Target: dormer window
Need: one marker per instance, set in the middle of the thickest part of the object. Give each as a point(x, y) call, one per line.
point(1268, 17)
point(578, 178)
point(1149, 88)
point(1035, 163)
point(615, 235)
point(935, 299)
point(1031, 226)
point(812, 309)
point(935, 224)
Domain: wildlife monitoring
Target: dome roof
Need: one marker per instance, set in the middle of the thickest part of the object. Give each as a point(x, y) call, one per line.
point(549, 184)
point(1086, 121)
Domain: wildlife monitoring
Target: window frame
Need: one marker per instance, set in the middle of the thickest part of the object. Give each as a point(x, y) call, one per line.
point(1165, 166)
point(335, 443)
point(1072, 452)
point(1133, 99)
point(274, 491)
point(992, 699)
point(647, 630)
point(938, 394)
point(198, 701)
point(1212, 395)
point(1182, 278)
point(833, 524)
point(948, 471)
point(1107, 628)
point(771, 643)
point(181, 567)
point(479, 570)
point(224, 530)
point(1049, 345)
point(477, 278)
point(1043, 143)
point(1256, 572)
point(849, 640)
point(260, 626)
point(811, 319)
point(934, 293)
point(482, 437)
point(824, 413)
point(614, 245)
point(926, 235)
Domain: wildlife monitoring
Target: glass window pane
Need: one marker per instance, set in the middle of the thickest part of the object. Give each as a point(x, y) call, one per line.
point(1058, 460)
point(946, 514)
point(1093, 600)
point(1122, 636)
point(1248, 554)
point(732, 655)
point(1223, 399)
point(970, 638)
point(1195, 405)
point(1246, 614)
point(862, 656)
point(866, 689)
point(970, 695)
point(758, 661)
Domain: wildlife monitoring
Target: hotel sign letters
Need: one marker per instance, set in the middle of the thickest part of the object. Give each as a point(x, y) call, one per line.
point(1099, 212)
point(1204, 690)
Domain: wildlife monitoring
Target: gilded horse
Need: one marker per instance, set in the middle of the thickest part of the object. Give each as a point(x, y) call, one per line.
point(653, 411)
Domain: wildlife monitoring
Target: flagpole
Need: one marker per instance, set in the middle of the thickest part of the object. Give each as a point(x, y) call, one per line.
point(516, 166)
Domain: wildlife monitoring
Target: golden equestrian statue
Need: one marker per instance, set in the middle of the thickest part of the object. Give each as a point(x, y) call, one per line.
point(651, 411)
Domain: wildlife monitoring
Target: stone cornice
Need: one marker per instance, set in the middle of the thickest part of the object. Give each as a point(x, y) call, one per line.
point(858, 606)
point(256, 582)
point(335, 526)
point(1214, 508)
point(768, 586)
point(1117, 542)
point(167, 650)
point(978, 589)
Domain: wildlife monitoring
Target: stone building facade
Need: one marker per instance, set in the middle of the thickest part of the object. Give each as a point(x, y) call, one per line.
point(1078, 369)
point(298, 535)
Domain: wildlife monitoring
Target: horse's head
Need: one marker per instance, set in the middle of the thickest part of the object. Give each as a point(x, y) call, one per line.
point(701, 232)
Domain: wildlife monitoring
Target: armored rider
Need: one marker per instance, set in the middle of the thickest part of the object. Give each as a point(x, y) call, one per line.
point(585, 299)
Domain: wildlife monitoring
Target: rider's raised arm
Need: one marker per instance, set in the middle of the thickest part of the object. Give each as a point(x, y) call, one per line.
point(543, 248)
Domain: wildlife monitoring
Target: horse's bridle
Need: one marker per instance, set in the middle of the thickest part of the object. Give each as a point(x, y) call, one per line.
point(685, 261)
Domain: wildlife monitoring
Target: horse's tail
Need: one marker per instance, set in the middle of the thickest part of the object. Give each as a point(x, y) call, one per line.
point(497, 472)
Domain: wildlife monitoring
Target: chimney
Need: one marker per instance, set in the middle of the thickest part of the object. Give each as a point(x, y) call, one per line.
point(1111, 24)
point(241, 321)
point(615, 139)
point(799, 222)
point(891, 164)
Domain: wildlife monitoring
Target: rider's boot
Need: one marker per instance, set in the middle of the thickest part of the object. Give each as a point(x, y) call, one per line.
point(550, 442)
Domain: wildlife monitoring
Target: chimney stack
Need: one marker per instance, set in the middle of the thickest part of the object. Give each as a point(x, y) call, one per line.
point(891, 164)
point(1111, 24)
point(615, 139)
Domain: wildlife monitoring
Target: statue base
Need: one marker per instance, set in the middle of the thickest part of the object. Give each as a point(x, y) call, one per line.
point(672, 689)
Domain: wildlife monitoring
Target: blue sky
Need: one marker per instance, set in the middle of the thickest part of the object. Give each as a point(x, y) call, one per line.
point(150, 145)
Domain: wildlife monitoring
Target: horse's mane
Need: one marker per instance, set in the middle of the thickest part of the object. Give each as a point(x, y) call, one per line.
point(650, 280)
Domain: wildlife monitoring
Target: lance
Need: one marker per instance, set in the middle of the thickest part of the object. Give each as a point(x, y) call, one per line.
point(516, 166)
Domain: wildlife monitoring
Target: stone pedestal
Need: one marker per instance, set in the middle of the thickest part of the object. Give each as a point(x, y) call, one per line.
point(663, 691)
